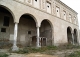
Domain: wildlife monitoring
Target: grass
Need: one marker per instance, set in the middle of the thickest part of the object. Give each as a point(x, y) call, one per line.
point(68, 46)
point(34, 50)
point(50, 50)
point(74, 54)
point(3, 55)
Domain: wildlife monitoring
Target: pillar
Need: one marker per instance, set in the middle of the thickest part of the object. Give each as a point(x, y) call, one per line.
point(73, 38)
point(38, 37)
point(14, 48)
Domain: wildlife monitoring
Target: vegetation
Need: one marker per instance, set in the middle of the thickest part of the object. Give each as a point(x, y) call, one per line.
point(74, 54)
point(34, 50)
point(45, 48)
point(3, 55)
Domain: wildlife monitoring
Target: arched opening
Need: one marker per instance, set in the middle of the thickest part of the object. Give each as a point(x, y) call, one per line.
point(69, 35)
point(6, 27)
point(46, 33)
point(27, 31)
point(75, 36)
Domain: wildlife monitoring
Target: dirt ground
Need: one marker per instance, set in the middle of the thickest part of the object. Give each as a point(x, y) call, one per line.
point(31, 55)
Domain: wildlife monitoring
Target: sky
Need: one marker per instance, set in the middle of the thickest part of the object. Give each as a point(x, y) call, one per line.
point(75, 5)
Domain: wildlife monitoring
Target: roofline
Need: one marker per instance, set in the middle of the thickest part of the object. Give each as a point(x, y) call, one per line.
point(66, 6)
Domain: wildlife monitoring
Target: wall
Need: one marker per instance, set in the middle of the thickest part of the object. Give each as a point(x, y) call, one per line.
point(8, 35)
point(59, 25)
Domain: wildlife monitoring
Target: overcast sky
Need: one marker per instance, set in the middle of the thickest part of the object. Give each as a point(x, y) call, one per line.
point(75, 5)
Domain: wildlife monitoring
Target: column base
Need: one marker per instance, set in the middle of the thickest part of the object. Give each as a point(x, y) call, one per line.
point(38, 46)
point(15, 48)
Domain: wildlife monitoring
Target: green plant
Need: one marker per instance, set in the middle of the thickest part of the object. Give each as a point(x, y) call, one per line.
point(74, 54)
point(3, 55)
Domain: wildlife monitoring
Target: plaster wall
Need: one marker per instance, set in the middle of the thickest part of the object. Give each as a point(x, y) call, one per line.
point(58, 24)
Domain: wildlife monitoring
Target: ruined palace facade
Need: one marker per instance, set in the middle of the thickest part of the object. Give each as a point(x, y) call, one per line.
point(38, 23)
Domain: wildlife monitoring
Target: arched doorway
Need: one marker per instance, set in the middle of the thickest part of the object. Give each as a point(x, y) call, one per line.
point(75, 36)
point(69, 35)
point(46, 33)
point(27, 30)
point(6, 27)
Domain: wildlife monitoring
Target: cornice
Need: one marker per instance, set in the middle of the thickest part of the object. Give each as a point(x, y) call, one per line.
point(66, 6)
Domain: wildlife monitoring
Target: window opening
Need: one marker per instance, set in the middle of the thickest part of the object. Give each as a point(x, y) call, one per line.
point(57, 10)
point(3, 29)
point(6, 21)
point(29, 32)
point(36, 0)
point(48, 6)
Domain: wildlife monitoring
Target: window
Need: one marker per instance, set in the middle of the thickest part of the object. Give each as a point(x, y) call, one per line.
point(29, 32)
point(3, 29)
point(48, 7)
point(57, 11)
point(6, 21)
point(64, 15)
point(36, 3)
point(36, 0)
point(74, 20)
point(70, 18)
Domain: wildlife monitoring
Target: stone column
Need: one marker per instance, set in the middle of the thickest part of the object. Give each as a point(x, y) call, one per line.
point(73, 38)
point(14, 48)
point(38, 37)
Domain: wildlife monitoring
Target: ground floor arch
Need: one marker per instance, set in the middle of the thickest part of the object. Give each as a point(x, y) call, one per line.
point(75, 36)
point(6, 27)
point(69, 35)
point(27, 30)
point(46, 33)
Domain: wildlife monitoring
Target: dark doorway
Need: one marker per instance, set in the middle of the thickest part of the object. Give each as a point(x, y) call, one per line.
point(46, 33)
point(69, 35)
point(75, 36)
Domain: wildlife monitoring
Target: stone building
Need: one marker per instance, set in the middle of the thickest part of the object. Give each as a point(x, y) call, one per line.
point(38, 23)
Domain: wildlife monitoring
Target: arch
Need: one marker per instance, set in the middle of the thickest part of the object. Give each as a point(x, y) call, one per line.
point(7, 23)
point(48, 21)
point(27, 30)
point(46, 31)
point(8, 9)
point(30, 16)
point(69, 35)
point(69, 28)
point(75, 36)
